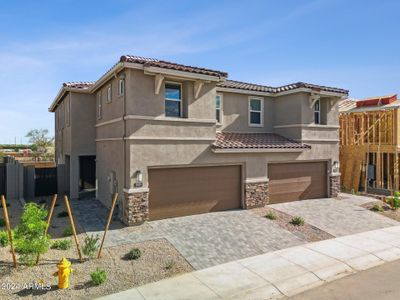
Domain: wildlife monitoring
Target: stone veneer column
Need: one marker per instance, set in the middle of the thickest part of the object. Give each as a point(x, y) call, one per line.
point(136, 206)
point(256, 193)
point(334, 185)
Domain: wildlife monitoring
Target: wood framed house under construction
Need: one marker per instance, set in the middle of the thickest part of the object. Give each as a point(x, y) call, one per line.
point(370, 144)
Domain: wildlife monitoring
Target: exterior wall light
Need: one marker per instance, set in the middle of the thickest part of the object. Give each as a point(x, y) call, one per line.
point(138, 178)
point(335, 167)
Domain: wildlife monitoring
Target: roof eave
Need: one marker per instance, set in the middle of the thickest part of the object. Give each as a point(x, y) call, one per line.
point(258, 150)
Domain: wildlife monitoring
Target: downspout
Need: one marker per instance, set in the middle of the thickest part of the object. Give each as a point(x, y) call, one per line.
point(122, 76)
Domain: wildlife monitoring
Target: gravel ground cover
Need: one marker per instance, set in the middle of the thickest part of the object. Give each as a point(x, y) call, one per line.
point(306, 232)
point(159, 260)
point(387, 211)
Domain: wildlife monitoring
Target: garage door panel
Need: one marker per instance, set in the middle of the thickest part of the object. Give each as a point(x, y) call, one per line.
point(297, 181)
point(186, 191)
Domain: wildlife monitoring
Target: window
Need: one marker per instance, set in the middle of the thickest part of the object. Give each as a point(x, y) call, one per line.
point(173, 100)
point(317, 112)
point(99, 106)
point(256, 111)
point(121, 87)
point(67, 111)
point(109, 94)
point(218, 107)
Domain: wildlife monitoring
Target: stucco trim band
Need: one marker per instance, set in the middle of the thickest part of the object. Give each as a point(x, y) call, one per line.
point(297, 90)
point(109, 122)
point(109, 139)
point(166, 119)
point(136, 190)
point(316, 126)
point(319, 140)
point(257, 180)
point(162, 138)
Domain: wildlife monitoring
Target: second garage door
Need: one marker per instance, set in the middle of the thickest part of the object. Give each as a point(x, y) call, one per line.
point(186, 191)
point(297, 181)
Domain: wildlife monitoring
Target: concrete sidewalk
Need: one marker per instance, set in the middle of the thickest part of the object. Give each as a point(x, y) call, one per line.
point(278, 274)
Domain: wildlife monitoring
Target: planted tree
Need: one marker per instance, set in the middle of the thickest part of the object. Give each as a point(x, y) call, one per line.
point(40, 142)
point(30, 240)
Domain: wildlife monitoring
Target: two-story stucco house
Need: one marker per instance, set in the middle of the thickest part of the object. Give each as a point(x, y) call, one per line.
point(176, 140)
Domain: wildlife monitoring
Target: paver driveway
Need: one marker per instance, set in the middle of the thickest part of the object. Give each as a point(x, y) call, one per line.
point(204, 240)
point(337, 217)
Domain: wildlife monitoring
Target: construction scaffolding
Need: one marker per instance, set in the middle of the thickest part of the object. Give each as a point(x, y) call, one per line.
point(369, 145)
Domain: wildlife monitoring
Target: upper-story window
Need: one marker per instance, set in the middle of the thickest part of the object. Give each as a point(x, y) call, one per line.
point(121, 87)
point(317, 112)
point(256, 113)
point(99, 107)
point(67, 111)
point(173, 100)
point(218, 108)
point(109, 94)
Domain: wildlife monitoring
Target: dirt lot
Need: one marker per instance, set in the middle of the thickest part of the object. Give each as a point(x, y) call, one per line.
point(387, 211)
point(159, 260)
point(306, 232)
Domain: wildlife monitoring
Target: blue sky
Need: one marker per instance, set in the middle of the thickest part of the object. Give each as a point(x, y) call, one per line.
point(349, 44)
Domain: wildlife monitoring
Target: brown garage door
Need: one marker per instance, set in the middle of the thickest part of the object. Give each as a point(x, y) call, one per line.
point(297, 181)
point(186, 191)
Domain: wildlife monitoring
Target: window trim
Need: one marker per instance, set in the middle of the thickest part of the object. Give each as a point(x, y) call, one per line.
point(221, 108)
point(99, 105)
point(317, 111)
point(169, 99)
point(250, 111)
point(121, 88)
point(109, 93)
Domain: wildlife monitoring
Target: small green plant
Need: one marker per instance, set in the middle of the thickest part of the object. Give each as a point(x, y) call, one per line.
point(90, 245)
point(170, 264)
point(99, 276)
point(61, 244)
point(377, 207)
point(2, 222)
point(29, 234)
point(298, 221)
point(271, 215)
point(3, 238)
point(395, 200)
point(68, 232)
point(62, 214)
point(134, 254)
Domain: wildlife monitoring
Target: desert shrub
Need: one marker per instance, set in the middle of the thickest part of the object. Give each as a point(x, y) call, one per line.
point(61, 244)
point(99, 276)
point(68, 232)
point(298, 221)
point(270, 215)
point(2, 222)
point(170, 264)
point(134, 254)
point(377, 207)
point(62, 214)
point(3, 238)
point(90, 245)
point(29, 234)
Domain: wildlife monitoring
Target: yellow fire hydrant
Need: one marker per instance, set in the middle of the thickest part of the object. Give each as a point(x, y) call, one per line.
point(63, 273)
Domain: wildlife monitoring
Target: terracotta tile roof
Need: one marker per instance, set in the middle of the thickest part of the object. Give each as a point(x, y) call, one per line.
point(234, 140)
point(152, 62)
point(269, 89)
point(79, 84)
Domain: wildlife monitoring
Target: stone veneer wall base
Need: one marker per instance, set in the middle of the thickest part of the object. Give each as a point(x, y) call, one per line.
point(256, 194)
point(136, 208)
point(334, 185)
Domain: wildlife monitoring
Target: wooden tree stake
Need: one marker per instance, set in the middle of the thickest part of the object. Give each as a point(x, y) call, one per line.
point(53, 203)
point(3, 202)
point(108, 223)
point(73, 227)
